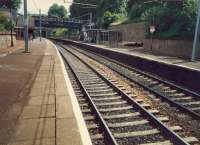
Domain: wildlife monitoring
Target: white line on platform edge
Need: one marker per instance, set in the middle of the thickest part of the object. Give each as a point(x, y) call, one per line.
point(85, 137)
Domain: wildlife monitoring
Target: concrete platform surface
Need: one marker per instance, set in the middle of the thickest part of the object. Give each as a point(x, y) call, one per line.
point(37, 102)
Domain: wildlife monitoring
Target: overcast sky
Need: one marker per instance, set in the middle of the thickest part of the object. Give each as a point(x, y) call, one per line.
point(34, 5)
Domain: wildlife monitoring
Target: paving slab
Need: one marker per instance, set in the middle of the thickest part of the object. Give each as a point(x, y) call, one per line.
point(62, 110)
point(64, 126)
point(38, 111)
point(47, 141)
point(40, 100)
point(31, 129)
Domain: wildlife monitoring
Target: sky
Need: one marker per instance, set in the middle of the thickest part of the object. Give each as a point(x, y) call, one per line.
point(34, 5)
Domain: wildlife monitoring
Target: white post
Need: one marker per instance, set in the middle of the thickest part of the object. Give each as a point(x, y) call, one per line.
point(196, 37)
point(90, 20)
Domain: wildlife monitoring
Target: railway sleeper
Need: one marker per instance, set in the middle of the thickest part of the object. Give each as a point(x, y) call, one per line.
point(134, 123)
point(104, 94)
point(101, 91)
point(181, 98)
point(192, 103)
point(94, 88)
point(104, 99)
point(143, 133)
point(190, 140)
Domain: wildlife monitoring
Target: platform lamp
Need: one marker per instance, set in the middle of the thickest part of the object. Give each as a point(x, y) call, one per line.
point(152, 30)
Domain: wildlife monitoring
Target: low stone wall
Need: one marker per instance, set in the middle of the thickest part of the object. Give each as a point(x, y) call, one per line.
point(177, 48)
point(134, 32)
point(5, 40)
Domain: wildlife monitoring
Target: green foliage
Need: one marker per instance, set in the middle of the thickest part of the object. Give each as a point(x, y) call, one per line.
point(135, 11)
point(57, 11)
point(13, 4)
point(16, 4)
point(113, 8)
point(5, 23)
point(157, 16)
point(109, 18)
point(172, 21)
point(79, 10)
point(59, 32)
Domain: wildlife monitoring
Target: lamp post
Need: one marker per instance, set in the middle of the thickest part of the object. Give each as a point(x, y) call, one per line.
point(152, 31)
point(26, 27)
point(152, 28)
point(40, 25)
point(11, 28)
point(196, 37)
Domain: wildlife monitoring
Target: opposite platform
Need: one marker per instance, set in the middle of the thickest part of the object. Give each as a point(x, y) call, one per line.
point(182, 72)
point(37, 102)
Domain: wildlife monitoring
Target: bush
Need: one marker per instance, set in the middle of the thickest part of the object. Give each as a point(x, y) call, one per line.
point(136, 11)
point(170, 21)
point(5, 24)
point(109, 18)
point(157, 16)
point(58, 32)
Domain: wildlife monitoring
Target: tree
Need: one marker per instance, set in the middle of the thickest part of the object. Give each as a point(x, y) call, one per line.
point(105, 8)
point(166, 16)
point(109, 18)
point(80, 10)
point(60, 32)
point(13, 4)
point(4, 23)
point(10, 4)
point(57, 11)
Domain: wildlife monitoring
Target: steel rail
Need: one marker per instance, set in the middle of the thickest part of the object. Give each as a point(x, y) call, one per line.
point(185, 90)
point(165, 98)
point(108, 135)
point(168, 133)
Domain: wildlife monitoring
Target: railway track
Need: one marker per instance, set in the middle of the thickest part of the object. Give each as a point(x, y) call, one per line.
point(112, 115)
point(182, 98)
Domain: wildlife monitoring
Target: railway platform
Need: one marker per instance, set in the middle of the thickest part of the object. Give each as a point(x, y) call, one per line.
point(169, 60)
point(37, 102)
